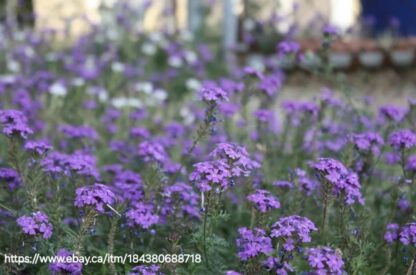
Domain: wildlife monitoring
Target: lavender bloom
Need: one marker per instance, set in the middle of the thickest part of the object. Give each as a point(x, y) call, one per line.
point(38, 147)
point(293, 230)
point(368, 142)
point(14, 123)
point(213, 95)
point(402, 139)
point(392, 233)
point(96, 196)
point(271, 84)
point(263, 200)
point(62, 267)
point(251, 243)
point(324, 260)
point(146, 270)
point(343, 181)
point(407, 235)
point(11, 177)
point(142, 215)
point(37, 223)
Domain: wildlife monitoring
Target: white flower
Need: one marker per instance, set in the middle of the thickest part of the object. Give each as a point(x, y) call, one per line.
point(146, 87)
point(160, 94)
point(191, 57)
point(117, 67)
point(13, 66)
point(193, 84)
point(121, 102)
point(175, 61)
point(149, 48)
point(58, 89)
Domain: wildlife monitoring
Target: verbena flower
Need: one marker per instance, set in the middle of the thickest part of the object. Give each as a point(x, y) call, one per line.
point(11, 177)
point(263, 200)
point(252, 243)
point(407, 235)
point(212, 173)
point(392, 112)
point(142, 215)
point(293, 230)
point(283, 184)
point(271, 84)
point(62, 267)
point(95, 196)
point(38, 147)
point(402, 139)
point(392, 233)
point(36, 224)
point(129, 185)
point(305, 183)
point(342, 181)
point(14, 123)
point(324, 260)
point(288, 47)
point(275, 266)
point(213, 94)
point(181, 199)
point(146, 270)
point(237, 157)
point(368, 142)
point(79, 132)
point(152, 151)
point(232, 272)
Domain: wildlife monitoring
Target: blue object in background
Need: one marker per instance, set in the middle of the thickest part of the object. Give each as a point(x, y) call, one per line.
point(388, 12)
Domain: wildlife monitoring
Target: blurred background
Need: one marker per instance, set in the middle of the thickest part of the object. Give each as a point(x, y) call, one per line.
point(376, 37)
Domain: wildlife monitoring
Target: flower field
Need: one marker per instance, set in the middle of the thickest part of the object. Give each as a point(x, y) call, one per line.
point(152, 143)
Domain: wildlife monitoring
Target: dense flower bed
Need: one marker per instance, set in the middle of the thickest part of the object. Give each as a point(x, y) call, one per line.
point(142, 143)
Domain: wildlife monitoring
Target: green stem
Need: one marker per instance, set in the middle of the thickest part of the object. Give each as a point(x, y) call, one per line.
point(205, 238)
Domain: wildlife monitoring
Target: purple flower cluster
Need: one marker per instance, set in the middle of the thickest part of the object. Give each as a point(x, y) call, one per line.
point(405, 234)
point(11, 177)
point(293, 230)
point(95, 196)
point(36, 224)
point(152, 151)
point(79, 163)
point(324, 260)
point(288, 47)
point(343, 181)
point(14, 122)
point(402, 139)
point(368, 142)
point(39, 147)
point(62, 267)
point(79, 132)
point(142, 214)
point(146, 270)
point(213, 94)
point(251, 243)
point(180, 198)
point(263, 200)
point(231, 161)
point(128, 185)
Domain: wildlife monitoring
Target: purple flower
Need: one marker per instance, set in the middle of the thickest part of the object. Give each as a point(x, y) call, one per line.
point(407, 235)
point(263, 200)
point(180, 198)
point(342, 181)
point(37, 223)
point(411, 163)
point(96, 196)
point(63, 267)
point(368, 142)
point(129, 185)
point(283, 184)
point(211, 173)
point(38, 147)
point(392, 113)
point(293, 230)
point(11, 177)
point(142, 214)
point(79, 132)
point(146, 270)
point(152, 151)
point(288, 47)
point(14, 123)
point(275, 266)
point(324, 260)
point(271, 84)
point(251, 243)
point(402, 139)
point(213, 95)
point(392, 233)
